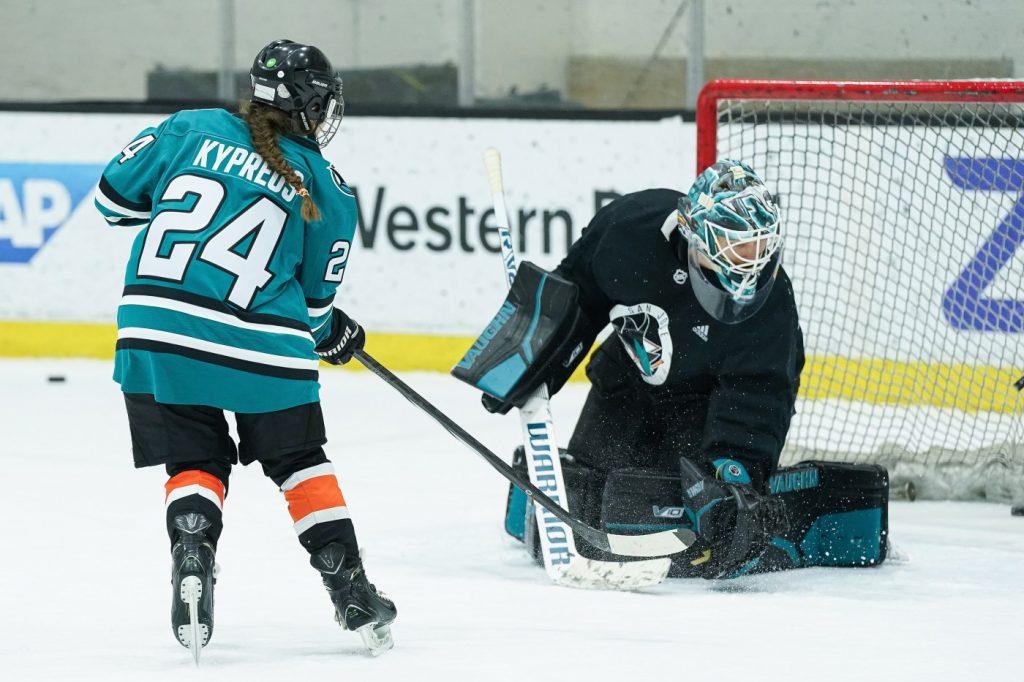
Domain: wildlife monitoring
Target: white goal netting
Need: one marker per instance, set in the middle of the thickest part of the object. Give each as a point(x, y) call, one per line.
point(904, 225)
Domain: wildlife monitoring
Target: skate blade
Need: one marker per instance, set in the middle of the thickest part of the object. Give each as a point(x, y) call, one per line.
point(195, 633)
point(589, 574)
point(376, 638)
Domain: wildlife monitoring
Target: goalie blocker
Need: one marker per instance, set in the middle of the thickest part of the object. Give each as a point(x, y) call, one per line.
point(838, 513)
point(531, 340)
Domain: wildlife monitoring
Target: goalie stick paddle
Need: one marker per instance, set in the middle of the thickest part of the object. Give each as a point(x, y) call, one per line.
point(649, 545)
point(558, 546)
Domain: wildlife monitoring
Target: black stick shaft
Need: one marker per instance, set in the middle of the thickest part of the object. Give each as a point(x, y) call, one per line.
point(595, 537)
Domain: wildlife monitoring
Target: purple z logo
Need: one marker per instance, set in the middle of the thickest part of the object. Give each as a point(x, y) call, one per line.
point(964, 304)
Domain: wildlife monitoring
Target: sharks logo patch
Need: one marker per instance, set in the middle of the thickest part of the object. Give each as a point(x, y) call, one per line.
point(643, 330)
point(339, 181)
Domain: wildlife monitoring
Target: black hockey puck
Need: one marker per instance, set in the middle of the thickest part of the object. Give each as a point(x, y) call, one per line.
point(1017, 511)
point(903, 490)
point(56, 378)
point(911, 491)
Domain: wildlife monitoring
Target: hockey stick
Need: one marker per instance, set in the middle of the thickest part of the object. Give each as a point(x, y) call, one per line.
point(558, 547)
point(650, 545)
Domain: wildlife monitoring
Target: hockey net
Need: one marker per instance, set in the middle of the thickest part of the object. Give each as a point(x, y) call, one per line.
point(903, 213)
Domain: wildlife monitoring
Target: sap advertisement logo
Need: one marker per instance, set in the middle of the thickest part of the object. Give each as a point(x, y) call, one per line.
point(36, 199)
point(965, 304)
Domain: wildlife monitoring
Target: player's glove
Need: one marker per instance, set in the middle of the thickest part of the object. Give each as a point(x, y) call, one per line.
point(734, 522)
point(346, 338)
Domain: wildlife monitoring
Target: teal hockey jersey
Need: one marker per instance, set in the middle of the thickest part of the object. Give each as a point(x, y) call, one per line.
point(227, 290)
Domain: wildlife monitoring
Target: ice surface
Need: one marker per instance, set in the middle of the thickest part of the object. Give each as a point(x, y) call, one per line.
point(83, 537)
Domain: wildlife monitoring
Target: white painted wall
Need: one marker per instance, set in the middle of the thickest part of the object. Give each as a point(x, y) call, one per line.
point(805, 29)
point(102, 49)
point(422, 194)
point(426, 269)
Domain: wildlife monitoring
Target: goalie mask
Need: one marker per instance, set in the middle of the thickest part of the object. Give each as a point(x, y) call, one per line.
point(731, 223)
point(300, 81)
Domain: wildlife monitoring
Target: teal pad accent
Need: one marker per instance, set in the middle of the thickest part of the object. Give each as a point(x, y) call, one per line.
point(745, 568)
point(645, 527)
point(731, 471)
point(844, 539)
point(515, 513)
point(500, 380)
point(532, 329)
point(695, 516)
point(789, 548)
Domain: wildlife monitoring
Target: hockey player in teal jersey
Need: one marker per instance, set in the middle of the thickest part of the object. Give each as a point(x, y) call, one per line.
point(228, 306)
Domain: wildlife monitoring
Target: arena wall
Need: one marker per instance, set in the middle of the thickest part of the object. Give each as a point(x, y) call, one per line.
point(425, 275)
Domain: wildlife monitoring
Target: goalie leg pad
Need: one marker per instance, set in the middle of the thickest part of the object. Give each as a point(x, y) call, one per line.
point(638, 500)
point(838, 514)
point(531, 340)
point(644, 500)
point(583, 487)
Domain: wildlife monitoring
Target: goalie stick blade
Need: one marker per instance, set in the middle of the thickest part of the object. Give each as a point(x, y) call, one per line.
point(589, 574)
point(650, 545)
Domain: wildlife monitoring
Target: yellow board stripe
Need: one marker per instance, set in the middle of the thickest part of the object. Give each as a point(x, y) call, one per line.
point(57, 340)
point(969, 388)
point(399, 352)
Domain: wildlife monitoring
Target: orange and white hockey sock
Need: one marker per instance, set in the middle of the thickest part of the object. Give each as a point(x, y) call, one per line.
point(319, 511)
point(195, 491)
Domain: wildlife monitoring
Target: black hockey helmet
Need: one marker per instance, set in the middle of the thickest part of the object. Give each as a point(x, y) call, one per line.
point(300, 81)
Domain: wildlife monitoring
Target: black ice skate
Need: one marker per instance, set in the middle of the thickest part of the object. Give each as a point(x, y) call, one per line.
point(358, 606)
point(192, 580)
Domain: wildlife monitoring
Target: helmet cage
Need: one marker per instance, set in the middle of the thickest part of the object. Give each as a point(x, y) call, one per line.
point(734, 246)
point(727, 247)
point(328, 126)
point(723, 227)
point(718, 302)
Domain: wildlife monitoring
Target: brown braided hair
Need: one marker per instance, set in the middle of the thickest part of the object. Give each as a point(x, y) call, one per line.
point(265, 125)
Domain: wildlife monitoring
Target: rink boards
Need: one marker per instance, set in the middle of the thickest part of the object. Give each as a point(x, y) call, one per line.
point(425, 275)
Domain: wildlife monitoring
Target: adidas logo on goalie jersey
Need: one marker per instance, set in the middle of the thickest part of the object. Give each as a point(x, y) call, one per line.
point(701, 331)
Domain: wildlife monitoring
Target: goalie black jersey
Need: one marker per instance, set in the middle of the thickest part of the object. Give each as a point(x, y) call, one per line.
point(228, 289)
point(741, 379)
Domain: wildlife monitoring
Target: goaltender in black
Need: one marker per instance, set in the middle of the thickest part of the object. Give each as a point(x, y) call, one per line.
point(693, 393)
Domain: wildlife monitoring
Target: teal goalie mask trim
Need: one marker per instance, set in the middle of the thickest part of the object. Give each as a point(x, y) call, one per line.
point(732, 224)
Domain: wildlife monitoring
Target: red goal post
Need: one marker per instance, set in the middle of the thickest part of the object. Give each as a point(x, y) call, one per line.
point(903, 212)
point(979, 91)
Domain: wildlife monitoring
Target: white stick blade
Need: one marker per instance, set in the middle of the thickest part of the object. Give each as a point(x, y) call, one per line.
point(589, 574)
point(652, 545)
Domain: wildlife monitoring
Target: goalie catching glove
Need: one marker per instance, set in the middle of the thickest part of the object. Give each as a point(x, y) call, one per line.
point(733, 521)
point(534, 339)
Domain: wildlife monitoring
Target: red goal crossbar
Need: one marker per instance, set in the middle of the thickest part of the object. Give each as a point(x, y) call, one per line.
point(880, 91)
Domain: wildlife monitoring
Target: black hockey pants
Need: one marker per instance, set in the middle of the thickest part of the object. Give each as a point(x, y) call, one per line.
point(194, 444)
